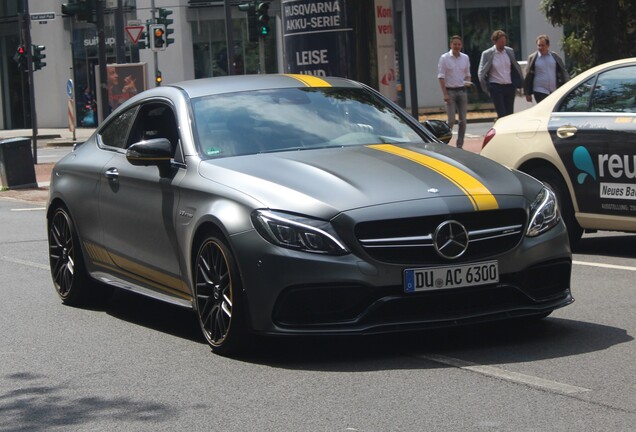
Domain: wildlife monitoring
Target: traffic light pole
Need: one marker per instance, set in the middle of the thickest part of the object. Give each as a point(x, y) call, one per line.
point(27, 42)
point(119, 33)
point(261, 55)
point(229, 38)
point(101, 48)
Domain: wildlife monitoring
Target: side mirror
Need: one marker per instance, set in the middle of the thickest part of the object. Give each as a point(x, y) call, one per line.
point(156, 151)
point(440, 130)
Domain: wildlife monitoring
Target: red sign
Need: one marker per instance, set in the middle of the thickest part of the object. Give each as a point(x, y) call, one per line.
point(134, 33)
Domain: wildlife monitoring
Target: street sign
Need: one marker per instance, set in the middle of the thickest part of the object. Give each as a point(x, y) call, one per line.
point(45, 16)
point(69, 88)
point(134, 33)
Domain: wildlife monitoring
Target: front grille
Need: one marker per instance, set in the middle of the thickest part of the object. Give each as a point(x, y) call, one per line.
point(410, 240)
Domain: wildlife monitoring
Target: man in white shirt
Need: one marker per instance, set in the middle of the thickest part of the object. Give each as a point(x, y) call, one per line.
point(500, 74)
point(453, 72)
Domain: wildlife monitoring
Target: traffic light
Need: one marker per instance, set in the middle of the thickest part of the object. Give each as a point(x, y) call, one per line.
point(163, 19)
point(20, 57)
point(262, 18)
point(38, 56)
point(157, 37)
point(252, 25)
point(84, 9)
point(158, 78)
point(143, 41)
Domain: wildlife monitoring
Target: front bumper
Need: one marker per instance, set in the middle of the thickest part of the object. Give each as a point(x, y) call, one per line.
point(291, 292)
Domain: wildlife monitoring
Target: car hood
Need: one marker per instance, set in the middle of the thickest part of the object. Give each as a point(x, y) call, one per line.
point(324, 182)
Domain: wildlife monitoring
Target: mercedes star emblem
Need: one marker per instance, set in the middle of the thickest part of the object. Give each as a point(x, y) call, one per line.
point(450, 239)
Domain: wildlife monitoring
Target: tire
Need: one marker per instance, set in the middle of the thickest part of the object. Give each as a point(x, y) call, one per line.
point(553, 180)
point(68, 271)
point(219, 302)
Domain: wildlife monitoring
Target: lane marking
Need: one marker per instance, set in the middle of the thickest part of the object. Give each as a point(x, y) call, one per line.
point(609, 266)
point(506, 375)
point(28, 209)
point(26, 263)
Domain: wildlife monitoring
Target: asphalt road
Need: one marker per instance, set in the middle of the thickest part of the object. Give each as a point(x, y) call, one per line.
point(138, 365)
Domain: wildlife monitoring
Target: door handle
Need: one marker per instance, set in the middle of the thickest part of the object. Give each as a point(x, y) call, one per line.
point(111, 174)
point(566, 131)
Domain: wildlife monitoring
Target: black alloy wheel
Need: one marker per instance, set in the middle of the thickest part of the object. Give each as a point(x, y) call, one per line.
point(218, 297)
point(65, 258)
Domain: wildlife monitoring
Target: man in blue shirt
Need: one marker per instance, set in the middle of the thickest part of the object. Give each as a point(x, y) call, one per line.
point(545, 71)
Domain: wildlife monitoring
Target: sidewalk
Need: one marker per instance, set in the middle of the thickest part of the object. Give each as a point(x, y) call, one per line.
point(49, 137)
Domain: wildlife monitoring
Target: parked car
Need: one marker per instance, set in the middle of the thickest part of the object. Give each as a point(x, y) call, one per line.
point(291, 204)
point(581, 142)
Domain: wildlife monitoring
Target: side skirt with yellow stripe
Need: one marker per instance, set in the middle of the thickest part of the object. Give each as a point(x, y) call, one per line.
point(127, 274)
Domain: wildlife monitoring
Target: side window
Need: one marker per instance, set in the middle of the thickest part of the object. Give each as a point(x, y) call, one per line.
point(615, 91)
point(155, 120)
point(116, 132)
point(579, 99)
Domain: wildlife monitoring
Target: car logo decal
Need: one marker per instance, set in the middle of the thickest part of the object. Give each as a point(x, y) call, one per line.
point(479, 195)
point(583, 161)
point(310, 80)
point(450, 239)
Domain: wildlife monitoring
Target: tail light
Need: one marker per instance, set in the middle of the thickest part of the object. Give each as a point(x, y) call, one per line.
point(489, 135)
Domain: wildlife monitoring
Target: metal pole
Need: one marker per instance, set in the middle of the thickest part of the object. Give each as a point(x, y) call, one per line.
point(155, 57)
point(29, 48)
point(102, 59)
point(408, 15)
point(119, 33)
point(229, 38)
point(261, 55)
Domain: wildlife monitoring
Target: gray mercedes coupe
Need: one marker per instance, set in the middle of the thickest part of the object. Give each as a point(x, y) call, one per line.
point(298, 205)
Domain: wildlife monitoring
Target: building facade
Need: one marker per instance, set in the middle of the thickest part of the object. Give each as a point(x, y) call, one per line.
point(366, 40)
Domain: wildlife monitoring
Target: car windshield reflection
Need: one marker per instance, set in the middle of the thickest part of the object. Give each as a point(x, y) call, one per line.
point(295, 119)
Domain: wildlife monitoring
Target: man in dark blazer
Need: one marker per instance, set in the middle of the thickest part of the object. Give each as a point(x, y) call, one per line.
point(500, 74)
point(545, 71)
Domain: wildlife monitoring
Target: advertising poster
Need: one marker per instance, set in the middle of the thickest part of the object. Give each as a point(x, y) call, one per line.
point(123, 81)
point(316, 37)
point(385, 48)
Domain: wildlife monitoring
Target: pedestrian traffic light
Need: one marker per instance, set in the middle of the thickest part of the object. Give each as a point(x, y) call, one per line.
point(38, 56)
point(157, 37)
point(20, 57)
point(163, 19)
point(83, 9)
point(262, 18)
point(158, 78)
point(252, 24)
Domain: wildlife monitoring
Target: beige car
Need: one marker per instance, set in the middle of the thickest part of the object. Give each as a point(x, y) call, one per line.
point(581, 142)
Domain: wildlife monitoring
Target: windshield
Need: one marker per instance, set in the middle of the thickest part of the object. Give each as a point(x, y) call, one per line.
point(295, 119)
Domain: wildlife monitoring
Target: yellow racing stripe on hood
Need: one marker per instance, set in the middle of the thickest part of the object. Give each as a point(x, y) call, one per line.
point(477, 193)
point(310, 80)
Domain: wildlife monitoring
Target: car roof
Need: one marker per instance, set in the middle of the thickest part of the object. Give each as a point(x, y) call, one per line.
point(236, 83)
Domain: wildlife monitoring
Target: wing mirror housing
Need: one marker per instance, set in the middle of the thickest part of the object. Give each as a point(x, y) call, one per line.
point(440, 129)
point(157, 151)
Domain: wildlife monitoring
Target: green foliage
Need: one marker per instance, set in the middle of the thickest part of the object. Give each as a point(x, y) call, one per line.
point(578, 50)
point(596, 31)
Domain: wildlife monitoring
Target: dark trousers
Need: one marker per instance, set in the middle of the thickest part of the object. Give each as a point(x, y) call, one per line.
point(539, 96)
point(503, 97)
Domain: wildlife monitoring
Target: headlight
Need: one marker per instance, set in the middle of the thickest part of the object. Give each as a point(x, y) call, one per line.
point(544, 213)
point(298, 232)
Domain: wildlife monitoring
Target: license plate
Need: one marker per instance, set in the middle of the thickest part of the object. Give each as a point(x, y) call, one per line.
point(456, 276)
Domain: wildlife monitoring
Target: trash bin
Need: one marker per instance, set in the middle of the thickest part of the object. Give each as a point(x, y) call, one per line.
point(16, 163)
